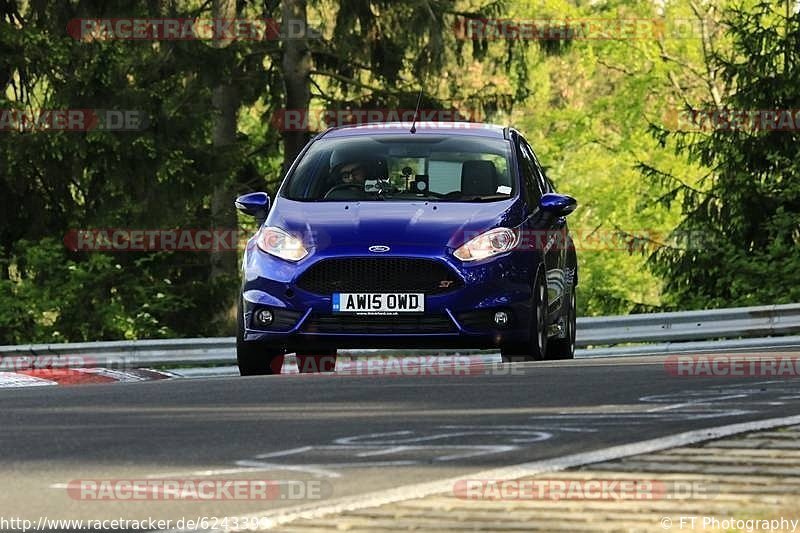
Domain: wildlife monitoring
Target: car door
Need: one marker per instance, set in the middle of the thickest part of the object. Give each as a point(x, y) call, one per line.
point(550, 231)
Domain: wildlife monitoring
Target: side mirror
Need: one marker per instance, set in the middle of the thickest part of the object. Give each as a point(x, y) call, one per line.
point(559, 205)
point(255, 204)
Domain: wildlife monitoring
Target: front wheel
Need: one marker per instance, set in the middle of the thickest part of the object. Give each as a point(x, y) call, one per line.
point(255, 358)
point(564, 348)
point(536, 346)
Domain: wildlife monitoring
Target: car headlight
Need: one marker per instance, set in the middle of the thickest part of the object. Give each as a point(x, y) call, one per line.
point(279, 243)
point(493, 242)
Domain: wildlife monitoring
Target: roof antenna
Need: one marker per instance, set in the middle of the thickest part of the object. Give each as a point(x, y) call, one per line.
point(416, 112)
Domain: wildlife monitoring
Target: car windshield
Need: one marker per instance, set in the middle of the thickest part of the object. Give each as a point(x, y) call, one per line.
point(409, 167)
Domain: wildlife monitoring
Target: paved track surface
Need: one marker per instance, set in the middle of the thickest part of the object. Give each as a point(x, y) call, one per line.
point(348, 434)
point(718, 485)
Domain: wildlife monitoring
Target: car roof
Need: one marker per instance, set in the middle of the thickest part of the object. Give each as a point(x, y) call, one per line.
point(422, 128)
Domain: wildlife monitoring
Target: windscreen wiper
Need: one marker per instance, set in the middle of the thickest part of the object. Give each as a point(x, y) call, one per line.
point(488, 198)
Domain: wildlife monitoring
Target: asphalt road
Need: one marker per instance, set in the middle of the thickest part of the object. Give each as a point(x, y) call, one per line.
point(345, 435)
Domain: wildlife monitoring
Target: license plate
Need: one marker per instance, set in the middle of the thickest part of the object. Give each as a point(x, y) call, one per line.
point(385, 303)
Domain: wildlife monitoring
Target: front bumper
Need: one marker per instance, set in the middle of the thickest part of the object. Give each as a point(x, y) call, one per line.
point(461, 317)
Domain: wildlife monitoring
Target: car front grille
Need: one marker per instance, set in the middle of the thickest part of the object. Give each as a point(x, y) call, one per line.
point(361, 324)
point(379, 274)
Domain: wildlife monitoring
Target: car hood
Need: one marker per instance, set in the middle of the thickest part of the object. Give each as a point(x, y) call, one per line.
point(403, 226)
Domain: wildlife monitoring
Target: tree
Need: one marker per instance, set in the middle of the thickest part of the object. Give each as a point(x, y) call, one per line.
point(378, 54)
point(226, 103)
point(587, 115)
point(296, 70)
point(208, 136)
point(156, 178)
point(742, 218)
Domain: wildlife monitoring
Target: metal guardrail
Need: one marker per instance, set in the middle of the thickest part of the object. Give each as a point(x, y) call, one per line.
point(737, 322)
point(735, 329)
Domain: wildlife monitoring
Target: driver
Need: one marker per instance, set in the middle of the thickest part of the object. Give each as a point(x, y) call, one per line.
point(353, 173)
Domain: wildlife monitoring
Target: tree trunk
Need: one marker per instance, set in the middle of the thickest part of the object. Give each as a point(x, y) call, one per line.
point(296, 74)
point(226, 102)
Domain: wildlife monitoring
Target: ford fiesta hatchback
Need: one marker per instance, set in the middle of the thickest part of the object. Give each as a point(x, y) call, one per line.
point(380, 237)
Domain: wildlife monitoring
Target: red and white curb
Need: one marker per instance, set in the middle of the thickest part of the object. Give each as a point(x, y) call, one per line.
point(77, 376)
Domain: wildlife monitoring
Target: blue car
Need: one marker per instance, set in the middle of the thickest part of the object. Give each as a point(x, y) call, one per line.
point(446, 235)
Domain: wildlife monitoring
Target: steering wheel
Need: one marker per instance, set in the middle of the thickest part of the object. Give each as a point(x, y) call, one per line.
point(451, 194)
point(341, 187)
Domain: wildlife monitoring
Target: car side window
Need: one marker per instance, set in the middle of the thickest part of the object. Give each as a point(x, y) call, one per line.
point(531, 189)
point(533, 180)
point(541, 180)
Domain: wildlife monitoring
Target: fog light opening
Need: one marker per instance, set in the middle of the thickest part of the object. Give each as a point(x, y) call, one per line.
point(263, 317)
point(502, 319)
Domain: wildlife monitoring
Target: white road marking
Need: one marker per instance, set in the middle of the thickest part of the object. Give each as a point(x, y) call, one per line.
point(278, 517)
point(382, 444)
point(383, 451)
point(620, 418)
point(349, 440)
point(281, 453)
point(394, 443)
point(695, 408)
point(694, 403)
point(530, 436)
point(263, 467)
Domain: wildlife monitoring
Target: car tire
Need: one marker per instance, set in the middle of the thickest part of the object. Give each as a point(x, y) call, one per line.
point(559, 348)
point(255, 358)
point(536, 346)
point(319, 361)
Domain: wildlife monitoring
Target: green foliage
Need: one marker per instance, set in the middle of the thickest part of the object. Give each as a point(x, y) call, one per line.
point(587, 116)
point(170, 174)
point(380, 53)
point(161, 177)
point(586, 106)
point(749, 204)
point(52, 297)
